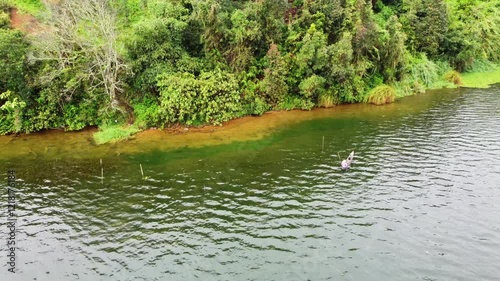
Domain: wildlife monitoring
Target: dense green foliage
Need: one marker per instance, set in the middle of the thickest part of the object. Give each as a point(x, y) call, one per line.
point(157, 62)
point(210, 98)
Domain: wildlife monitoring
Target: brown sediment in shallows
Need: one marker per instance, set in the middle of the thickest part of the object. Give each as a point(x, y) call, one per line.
point(80, 145)
point(53, 143)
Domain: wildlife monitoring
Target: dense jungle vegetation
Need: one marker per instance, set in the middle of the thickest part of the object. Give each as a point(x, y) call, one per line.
point(152, 63)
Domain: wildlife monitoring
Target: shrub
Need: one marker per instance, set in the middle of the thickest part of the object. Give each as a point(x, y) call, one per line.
point(312, 86)
point(33, 7)
point(12, 112)
point(381, 95)
point(253, 105)
point(147, 113)
point(213, 97)
point(292, 102)
point(481, 65)
point(424, 70)
point(453, 76)
point(274, 86)
point(78, 116)
point(442, 67)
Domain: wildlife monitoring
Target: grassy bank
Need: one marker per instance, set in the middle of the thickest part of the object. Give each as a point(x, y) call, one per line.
point(114, 133)
point(481, 79)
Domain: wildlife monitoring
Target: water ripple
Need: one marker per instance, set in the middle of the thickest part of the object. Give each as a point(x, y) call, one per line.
point(421, 202)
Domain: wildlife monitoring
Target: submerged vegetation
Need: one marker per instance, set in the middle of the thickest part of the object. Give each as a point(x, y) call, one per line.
point(153, 63)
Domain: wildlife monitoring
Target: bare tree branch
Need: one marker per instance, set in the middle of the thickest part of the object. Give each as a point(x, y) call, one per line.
point(83, 35)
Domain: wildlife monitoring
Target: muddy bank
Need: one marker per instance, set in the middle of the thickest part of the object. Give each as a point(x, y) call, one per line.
point(24, 22)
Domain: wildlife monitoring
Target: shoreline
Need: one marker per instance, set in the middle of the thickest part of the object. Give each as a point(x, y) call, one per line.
point(25, 17)
point(269, 125)
point(479, 80)
point(50, 145)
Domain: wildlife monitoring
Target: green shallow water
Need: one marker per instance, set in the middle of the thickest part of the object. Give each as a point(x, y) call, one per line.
point(261, 199)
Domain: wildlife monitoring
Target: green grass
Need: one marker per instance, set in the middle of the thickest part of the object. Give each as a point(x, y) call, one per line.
point(327, 100)
point(442, 84)
point(481, 79)
point(381, 95)
point(114, 133)
point(32, 7)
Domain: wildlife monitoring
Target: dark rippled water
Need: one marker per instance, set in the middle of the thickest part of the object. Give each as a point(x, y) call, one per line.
point(421, 202)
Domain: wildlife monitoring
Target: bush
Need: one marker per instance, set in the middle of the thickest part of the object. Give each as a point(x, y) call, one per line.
point(147, 113)
point(453, 76)
point(12, 113)
point(32, 7)
point(292, 102)
point(312, 86)
point(423, 70)
point(381, 95)
point(78, 116)
point(253, 105)
point(212, 97)
point(46, 112)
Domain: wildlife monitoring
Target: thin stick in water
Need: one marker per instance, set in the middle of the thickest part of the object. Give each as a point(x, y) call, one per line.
point(323, 144)
point(142, 172)
point(102, 171)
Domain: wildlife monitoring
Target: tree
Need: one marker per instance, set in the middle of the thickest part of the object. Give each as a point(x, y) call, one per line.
point(312, 55)
point(392, 61)
point(366, 42)
point(274, 85)
point(13, 65)
point(335, 17)
point(244, 34)
point(426, 23)
point(344, 79)
point(155, 47)
point(81, 38)
point(14, 87)
point(214, 19)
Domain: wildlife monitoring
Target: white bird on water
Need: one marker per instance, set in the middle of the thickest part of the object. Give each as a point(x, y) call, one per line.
point(346, 163)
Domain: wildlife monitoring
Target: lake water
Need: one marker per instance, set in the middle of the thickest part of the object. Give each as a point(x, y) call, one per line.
point(264, 199)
